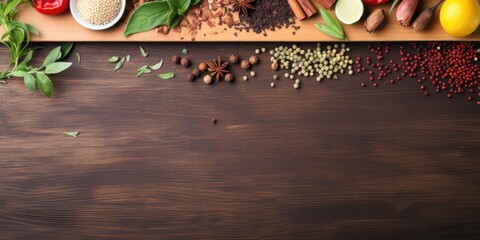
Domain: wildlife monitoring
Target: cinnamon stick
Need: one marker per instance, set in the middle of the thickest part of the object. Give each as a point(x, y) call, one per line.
point(297, 9)
point(308, 7)
point(327, 4)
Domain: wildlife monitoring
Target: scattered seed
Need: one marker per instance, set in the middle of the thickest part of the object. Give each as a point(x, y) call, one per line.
point(272, 84)
point(252, 73)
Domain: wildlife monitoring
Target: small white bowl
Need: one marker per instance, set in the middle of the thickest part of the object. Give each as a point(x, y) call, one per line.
point(76, 16)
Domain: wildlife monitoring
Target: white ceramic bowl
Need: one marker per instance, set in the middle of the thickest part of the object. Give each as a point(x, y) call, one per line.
point(76, 16)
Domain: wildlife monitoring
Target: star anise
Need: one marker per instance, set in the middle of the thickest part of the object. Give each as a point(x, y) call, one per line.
point(242, 6)
point(218, 68)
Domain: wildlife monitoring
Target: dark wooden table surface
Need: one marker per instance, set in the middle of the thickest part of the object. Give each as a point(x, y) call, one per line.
point(329, 161)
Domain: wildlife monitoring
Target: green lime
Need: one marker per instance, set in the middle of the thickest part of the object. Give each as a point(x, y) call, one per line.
point(349, 11)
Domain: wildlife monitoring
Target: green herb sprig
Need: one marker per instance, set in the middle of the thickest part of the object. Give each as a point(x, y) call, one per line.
point(160, 12)
point(394, 4)
point(332, 27)
point(16, 38)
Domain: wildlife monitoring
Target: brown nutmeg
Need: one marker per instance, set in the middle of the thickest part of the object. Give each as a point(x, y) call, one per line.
point(176, 59)
point(253, 60)
point(233, 59)
point(374, 21)
point(202, 67)
point(185, 62)
point(196, 72)
point(228, 77)
point(245, 64)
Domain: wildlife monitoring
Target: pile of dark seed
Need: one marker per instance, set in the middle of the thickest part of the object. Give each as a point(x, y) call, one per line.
point(267, 15)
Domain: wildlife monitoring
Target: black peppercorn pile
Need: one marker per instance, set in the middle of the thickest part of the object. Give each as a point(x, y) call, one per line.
point(267, 15)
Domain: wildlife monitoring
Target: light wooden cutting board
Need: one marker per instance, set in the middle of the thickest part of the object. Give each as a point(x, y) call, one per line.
point(64, 28)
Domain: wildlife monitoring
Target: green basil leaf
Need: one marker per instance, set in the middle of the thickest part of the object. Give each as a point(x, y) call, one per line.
point(32, 29)
point(52, 56)
point(57, 67)
point(329, 31)
point(185, 4)
point(157, 66)
point(166, 76)
point(173, 19)
point(65, 50)
point(143, 70)
point(119, 64)
point(11, 5)
point(113, 59)
point(29, 81)
point(147, 16)
point(72, 134)
point(331, 22)
point(44, 84)
point(142, 51)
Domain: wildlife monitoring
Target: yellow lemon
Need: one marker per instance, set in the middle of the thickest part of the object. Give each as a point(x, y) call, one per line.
point(460, 18)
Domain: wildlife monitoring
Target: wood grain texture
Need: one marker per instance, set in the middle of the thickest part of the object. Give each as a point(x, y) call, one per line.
point(64, 28)
point(329, 161)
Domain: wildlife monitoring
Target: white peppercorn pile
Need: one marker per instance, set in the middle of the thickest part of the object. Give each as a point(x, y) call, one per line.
point(325, 64)
point(98, 12)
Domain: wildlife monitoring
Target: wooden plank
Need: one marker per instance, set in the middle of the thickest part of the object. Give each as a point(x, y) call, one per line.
point(64, 28)
point(329, 161)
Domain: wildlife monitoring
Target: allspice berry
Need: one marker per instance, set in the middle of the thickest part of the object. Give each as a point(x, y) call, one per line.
point(253, 60)
point(185, 62)
point(274, 66)
point(175, 59)
point(233, 59)
point(228, 77)
point(202, 67)
point(207, 79)
point(245, 64)
point(191, 77)
point(196, 72)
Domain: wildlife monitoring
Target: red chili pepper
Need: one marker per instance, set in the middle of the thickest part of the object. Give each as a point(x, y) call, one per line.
point(374, 2)
point(51, 7)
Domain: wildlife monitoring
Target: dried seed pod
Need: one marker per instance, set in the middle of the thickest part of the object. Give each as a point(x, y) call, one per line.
point(207, 79)
point(202, 67)
point(425, 17)
point(274, 66)
point(228, 77)
point(228, 21)
point(185, 62)
point(374, 21)
point(245, 64)
point(405, 11)
point(176, 59)
point(233, 59)
point(253, 60)
point(196, 72)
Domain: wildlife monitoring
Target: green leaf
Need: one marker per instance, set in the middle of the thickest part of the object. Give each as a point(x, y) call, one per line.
point(119, 64)
point(143, 70)
point(195, 2)
point(29, 81)
point(65, 50)
point(78, 58)
point(52, 56)
point(148, 16)
point(166, 76)
point(127, 58)
point(32, 29)
point(72, 134)
point(184, 7)
point(394, 4)
point(331, 22)
point(113, 59)
point(179, 6)
point(185, 51)
point(142, 51)
point(329, 31)
point(157, 66)
point(11, 5)
point(44, 84)
point(57, 67)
